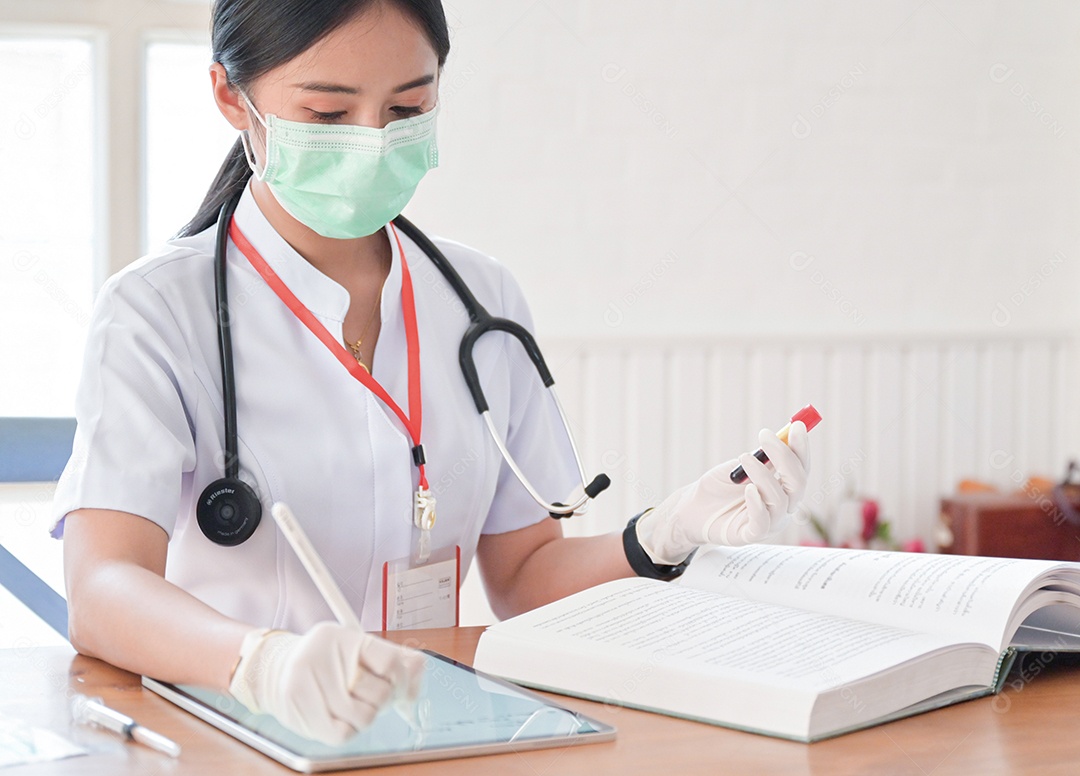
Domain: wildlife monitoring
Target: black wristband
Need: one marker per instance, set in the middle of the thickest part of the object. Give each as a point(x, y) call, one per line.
point(640, 561)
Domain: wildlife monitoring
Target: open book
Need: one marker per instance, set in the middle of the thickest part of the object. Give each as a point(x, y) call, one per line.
point(796, 642)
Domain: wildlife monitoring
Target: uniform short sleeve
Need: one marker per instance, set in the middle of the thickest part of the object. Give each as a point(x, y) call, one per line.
point(133, 439)
point(535, 437)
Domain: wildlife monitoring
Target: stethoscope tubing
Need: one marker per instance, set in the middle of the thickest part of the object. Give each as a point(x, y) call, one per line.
point(481, 322)
point(224, 328)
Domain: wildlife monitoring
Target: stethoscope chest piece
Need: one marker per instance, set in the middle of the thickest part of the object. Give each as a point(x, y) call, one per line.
point(228, 511)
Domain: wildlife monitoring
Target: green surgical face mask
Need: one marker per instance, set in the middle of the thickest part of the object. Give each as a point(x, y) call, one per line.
point(343, 180)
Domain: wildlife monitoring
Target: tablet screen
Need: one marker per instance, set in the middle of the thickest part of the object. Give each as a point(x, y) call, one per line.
point(457, 708)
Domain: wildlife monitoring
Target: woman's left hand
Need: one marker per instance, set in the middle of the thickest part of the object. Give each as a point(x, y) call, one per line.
point(714, 510)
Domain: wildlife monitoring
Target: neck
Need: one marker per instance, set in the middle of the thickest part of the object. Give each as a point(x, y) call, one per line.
point(334, 258)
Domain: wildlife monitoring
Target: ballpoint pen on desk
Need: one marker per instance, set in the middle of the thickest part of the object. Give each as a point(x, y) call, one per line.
point(92, 711)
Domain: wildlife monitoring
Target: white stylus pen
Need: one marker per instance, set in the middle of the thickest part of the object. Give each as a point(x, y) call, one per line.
point(331, 593)
point(320, 575)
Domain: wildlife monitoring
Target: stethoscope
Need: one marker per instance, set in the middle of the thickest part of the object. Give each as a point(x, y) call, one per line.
point(229, 510)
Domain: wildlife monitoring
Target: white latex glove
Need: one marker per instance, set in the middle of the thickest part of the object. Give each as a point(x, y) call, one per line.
point(327, 684)
point(714, 510)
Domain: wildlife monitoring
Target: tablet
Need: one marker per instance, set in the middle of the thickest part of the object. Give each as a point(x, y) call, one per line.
point(461, 712)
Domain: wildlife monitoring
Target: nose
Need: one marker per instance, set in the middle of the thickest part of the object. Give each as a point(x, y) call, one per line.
point(372, 117)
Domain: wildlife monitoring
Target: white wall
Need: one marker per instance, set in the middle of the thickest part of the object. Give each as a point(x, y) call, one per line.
point(716, 167)
point(870, 174)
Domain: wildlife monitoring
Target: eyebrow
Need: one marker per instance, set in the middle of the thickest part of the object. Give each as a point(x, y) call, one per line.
point(319, 86)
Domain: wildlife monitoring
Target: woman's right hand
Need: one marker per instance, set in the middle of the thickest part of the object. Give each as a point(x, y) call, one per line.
point(326, 684)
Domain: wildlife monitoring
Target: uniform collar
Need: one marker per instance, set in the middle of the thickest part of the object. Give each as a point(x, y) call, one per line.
point(325, 297)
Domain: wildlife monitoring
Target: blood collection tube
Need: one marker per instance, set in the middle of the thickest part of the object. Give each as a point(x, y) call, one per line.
point(808, 415)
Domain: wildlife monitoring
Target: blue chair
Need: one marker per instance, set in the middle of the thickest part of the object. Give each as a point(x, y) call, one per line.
point(34, 450)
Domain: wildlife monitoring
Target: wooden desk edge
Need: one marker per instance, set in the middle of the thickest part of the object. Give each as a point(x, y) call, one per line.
point(1028, 729)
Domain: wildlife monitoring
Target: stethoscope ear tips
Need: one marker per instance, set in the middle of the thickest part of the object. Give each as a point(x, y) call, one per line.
point(599, 484)
point(228, 511)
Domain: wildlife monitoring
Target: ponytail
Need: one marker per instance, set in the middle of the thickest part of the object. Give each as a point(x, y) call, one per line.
point(230, 181)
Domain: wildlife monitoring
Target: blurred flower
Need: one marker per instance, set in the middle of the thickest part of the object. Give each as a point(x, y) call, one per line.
point(869, 519)
point(857, 523)
point(913, 545)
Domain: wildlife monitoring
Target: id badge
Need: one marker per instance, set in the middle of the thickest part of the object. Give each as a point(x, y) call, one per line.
point(422, 595)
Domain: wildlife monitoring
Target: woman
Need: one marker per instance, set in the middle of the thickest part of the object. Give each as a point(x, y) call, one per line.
point(148, 589)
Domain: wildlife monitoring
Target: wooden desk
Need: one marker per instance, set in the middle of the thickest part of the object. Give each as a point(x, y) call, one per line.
point(1030, 728)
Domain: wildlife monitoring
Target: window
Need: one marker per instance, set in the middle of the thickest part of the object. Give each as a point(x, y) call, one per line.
point(49, 231)
point(83, 141)
point(187, 138)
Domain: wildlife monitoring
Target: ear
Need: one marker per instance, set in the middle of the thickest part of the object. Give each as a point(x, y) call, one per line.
point(228, 100)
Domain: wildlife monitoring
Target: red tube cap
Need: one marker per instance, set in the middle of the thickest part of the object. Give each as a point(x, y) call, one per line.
point(808, 415)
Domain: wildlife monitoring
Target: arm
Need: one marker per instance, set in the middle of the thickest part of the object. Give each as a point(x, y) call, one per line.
point(121, 609)
point(327, 684)
point(532, 566)
point(535, 565)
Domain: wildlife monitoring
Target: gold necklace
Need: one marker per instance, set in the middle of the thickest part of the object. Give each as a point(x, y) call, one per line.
point(355, 346)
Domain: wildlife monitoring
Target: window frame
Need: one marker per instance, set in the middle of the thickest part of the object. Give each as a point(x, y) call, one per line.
point(119, 32)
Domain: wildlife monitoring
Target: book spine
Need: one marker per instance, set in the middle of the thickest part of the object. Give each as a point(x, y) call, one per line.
point(1004, 665)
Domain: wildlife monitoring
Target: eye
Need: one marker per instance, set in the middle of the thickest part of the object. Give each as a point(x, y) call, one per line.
point(407, 110)
point(327, 116)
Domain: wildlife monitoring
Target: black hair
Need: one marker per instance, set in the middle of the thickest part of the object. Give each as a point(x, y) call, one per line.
point(252, 37)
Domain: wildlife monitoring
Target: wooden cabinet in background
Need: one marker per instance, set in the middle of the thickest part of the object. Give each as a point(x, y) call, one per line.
point(1008, 526)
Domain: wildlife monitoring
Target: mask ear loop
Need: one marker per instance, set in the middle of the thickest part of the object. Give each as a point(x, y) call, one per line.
point(249, 154)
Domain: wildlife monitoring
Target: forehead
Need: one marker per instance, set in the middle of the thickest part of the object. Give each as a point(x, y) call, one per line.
point(374, 51)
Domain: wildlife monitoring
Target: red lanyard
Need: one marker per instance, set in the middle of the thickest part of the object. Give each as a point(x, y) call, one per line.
point(412, 421)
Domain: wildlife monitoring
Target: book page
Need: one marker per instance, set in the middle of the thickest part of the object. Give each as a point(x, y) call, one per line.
point(695, 653)
point(784, 645)
point(965, 598)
